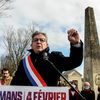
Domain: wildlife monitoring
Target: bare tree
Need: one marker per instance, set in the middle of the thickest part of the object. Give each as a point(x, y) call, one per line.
point(16, 43)
point(4, 6)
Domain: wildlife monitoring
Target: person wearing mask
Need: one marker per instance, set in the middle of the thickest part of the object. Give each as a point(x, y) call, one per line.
point(37, 67)
point(73, 95)
point(6, 78)
point(87, 92)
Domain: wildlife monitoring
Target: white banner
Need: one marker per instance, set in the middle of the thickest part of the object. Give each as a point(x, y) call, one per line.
point(33, 93)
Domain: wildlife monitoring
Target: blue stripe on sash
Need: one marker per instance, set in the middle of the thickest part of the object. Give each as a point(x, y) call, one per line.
point(28, 74)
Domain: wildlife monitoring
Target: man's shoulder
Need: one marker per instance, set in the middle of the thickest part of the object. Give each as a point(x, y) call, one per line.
point(56, 53)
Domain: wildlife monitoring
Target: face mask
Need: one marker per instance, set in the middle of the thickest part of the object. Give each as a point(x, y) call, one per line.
point(87, 87)
point(74, 86)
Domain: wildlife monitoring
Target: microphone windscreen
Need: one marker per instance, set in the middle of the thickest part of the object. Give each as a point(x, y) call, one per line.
point(45, 56)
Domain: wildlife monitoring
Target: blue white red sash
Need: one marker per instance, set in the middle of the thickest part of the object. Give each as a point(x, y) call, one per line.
point(31, 72)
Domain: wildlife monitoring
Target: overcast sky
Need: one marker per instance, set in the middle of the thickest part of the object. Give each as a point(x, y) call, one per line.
point(54, 16)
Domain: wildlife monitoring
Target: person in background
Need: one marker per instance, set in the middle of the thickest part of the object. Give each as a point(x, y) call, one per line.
point(87, 92)
point(73, 95)
point(98, 96)
point(37, 66)
point(6, 78)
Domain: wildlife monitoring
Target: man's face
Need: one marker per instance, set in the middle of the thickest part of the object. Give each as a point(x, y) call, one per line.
point(39, 43)
point(5, 74)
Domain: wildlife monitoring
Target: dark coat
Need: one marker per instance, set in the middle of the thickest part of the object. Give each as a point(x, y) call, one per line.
point(75, 96)
point(45, 69)
point(88, 94)
point(98, 97)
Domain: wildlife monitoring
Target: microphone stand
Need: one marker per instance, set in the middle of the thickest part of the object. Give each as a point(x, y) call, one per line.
point(65, 79)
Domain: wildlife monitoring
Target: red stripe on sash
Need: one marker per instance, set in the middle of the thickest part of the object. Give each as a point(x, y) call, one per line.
point(36, 72)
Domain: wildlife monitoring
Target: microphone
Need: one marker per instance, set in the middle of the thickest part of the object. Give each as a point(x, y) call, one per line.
point(45, 57)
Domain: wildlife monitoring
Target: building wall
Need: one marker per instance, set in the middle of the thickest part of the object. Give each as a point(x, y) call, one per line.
point(73, 75)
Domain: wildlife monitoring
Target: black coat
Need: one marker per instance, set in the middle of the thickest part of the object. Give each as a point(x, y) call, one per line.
point(45, 69)
point(88, 94)
point(98, 97)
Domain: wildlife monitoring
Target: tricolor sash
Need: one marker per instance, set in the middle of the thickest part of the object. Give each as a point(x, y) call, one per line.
point(31, 72)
